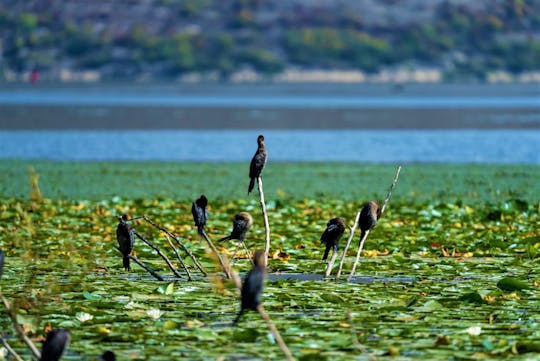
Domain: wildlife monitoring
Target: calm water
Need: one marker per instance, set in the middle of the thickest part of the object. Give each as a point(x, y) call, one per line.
point(220, 122)
point(457, 146)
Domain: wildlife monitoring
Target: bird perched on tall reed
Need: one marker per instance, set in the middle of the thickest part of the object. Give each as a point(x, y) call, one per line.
point(126, 239)
point(257, 163)
point(332, 234)
point(241, 223)
point(369, 215)
point(253, 285)
point(199, 211)
point(108, 356)
point(55, 344)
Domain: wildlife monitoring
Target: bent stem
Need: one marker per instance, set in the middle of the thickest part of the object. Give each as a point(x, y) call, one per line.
point(265, 216)
point(10, 349)
point(367, 232)
point(158, 251)
point(18, 328)
point(275, 333)
point(216, 253)
point(351, 235)
point(178, 257)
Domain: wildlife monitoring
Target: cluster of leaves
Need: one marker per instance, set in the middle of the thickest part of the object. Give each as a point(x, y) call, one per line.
point(459, 38)
point(434, 281)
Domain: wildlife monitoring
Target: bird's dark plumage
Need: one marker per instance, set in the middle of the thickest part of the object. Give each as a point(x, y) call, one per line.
point(2, 256)
point(331, 235)
point(369, 215)
point(200, 213)
point(126, 240)
point(55, 344)
point(241, 223)
point(108, 356)
point(253, 285)
point(257, 162)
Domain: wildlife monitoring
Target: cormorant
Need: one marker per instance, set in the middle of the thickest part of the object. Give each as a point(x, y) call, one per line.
point(108, 356)
point(200, 213)
point(126, 239)
point(369, 215)
point(257, 162)
point(253, 285)
point(241, 223)
point(55, 344)
point(331, 235)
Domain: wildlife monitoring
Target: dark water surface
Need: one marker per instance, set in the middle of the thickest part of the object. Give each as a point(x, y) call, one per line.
point(315, 122)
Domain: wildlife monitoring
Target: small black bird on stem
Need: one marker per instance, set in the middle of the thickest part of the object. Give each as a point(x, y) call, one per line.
point(369, 215)
point(200, 213)
point(332, 234)
point(257, 162)
point(126, 239)
point(108, 356)
point(253, 285)
point(55, 344)
point(241, 223)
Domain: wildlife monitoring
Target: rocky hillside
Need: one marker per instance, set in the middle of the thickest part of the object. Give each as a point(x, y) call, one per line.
point(156, 39)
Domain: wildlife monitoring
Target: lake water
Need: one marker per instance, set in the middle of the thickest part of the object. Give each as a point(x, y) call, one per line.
point(456, 146)
point(314, 122)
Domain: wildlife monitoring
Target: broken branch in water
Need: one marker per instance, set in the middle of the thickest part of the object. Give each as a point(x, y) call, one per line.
point(178, 257)
point(145, 267)
point(367, 231)
point(155, 225)
point(158, 251)
point(18, 328)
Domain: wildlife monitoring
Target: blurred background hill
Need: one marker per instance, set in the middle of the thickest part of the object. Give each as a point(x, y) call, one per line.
point(246, 40)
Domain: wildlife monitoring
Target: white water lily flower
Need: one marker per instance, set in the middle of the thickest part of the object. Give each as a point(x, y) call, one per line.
point(83, 316)
point(154, 313)
point(474, 330)
point(3, 353)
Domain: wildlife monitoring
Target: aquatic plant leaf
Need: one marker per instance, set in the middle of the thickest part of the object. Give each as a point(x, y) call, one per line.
point(512, 284)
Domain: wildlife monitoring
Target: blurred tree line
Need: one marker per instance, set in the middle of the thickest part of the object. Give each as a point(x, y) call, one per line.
point(458, 40)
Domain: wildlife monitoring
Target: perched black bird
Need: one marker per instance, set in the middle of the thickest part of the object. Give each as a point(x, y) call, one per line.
point(241, 223)
point(55, 344)
point(108, 356)
point(2, 255)
point(126, 239)
point(253, 285)
point(369, 215)
point(200, 213)
point(331, 235)
point(257, 163)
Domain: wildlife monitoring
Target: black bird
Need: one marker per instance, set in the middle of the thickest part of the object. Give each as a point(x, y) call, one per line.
point(108, 356)
point(126, 239)
point(241, 223)
point(257, 162)
point(200, 213)
point(369, 215)
point(2, 255)
point(331, 235)
point(253, 285)
point(55, 344)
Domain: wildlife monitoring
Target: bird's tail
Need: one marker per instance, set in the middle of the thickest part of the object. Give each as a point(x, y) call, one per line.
point(325, 255)
point(200, 229)
point(362, 234)
point(235, 322)
point(126, 263)
point(224, 239)
point(251, 185)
